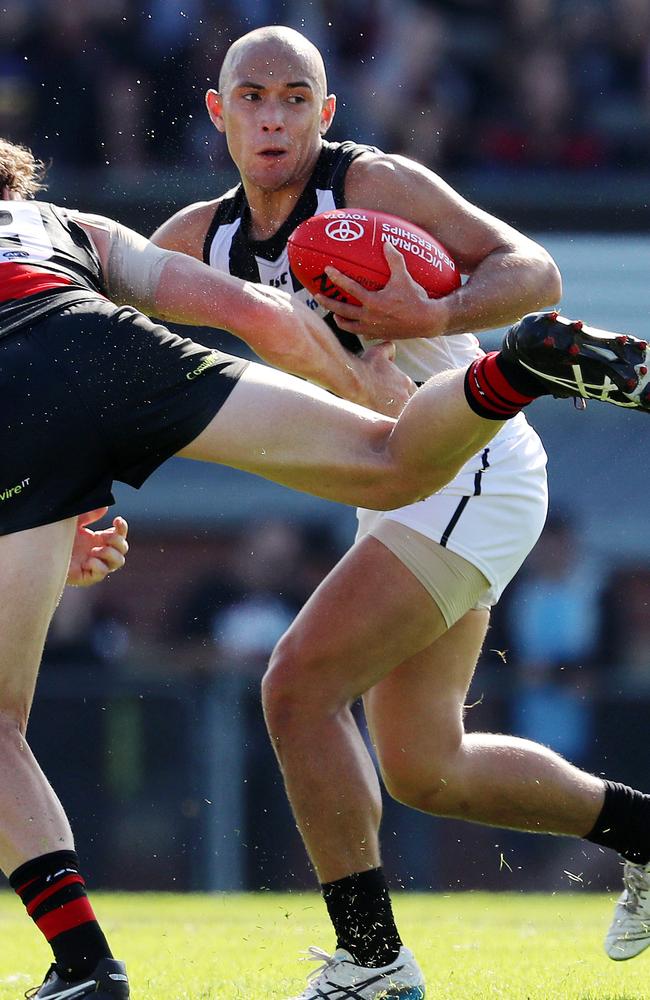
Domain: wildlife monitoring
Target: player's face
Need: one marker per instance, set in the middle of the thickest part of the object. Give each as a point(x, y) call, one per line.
point(273, 112)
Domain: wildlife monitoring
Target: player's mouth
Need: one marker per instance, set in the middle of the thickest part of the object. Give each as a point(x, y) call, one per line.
point(273, 153)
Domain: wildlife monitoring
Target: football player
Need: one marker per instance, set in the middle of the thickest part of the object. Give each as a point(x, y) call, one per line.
point(94, 391)
point(402, 619)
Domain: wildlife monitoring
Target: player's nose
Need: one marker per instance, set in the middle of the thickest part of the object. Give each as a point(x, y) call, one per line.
point(273, 123)
point(272, 119)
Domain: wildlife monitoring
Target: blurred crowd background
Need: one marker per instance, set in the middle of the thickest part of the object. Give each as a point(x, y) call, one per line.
point(474, 83)
point(148, 716)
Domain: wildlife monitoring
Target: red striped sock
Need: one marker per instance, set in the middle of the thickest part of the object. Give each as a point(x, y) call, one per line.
point(488, 391)
point(54, 894)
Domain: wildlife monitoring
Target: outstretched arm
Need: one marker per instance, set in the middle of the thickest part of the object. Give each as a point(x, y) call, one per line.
point(281, 330)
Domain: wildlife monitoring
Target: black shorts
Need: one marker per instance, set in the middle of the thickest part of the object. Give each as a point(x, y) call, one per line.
point(92, 394)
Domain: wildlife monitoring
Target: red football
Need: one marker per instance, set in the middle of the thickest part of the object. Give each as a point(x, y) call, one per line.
point(351, 239)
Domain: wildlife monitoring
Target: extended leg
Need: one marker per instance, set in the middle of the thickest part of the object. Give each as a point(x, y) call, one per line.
point(287, 430)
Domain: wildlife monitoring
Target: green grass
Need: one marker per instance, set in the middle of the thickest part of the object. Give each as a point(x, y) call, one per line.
point(247, 947)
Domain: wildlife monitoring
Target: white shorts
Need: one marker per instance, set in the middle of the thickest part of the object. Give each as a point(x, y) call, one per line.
point(491, 514)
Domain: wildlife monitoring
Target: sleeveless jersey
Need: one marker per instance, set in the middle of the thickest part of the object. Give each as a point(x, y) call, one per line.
point(228, 248)
point(46, 262)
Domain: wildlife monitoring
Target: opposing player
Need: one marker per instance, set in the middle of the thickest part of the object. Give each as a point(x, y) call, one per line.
point(402, 618)
point(93, 392)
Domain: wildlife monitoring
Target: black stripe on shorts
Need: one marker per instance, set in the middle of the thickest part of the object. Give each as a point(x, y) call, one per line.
point(455, 517)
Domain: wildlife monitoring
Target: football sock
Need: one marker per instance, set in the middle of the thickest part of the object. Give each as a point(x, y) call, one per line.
point(54, 895)
point(360, 909)
point(624, 823)
point(497, 388)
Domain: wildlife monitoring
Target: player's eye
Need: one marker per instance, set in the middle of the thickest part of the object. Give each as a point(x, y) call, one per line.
point(252, 96)
point(297, 99)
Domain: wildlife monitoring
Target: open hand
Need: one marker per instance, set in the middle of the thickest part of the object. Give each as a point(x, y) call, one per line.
point(95, 554)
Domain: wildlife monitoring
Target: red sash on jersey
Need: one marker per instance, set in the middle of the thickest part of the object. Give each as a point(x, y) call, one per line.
point(17, 281)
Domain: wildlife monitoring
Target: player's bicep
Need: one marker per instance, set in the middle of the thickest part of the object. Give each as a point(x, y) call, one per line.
point(395, 184)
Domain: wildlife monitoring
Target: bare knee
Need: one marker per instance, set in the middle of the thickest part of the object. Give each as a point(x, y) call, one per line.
point(399, 487)
point(277, 693)
point(293, 691)
point(427, 782)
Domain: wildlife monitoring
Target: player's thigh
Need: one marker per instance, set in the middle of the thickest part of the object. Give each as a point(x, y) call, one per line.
point(365, 618)
point(34, 568)
point(415, 714)
point(285, 429)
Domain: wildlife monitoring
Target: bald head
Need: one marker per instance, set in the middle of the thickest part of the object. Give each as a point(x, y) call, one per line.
point(274, 49)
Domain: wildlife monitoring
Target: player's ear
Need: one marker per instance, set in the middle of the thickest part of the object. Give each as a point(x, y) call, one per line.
point(327, 113)
point(214, 104)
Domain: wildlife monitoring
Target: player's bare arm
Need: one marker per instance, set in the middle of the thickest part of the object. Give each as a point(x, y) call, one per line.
point(185, 231)
point(282, 331)
point(509, 274)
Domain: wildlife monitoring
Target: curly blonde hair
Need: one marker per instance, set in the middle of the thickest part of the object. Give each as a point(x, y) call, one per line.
point(20, 171)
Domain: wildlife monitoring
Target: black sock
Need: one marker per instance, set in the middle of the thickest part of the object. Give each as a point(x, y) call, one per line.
point(54, 894)
point(624, 823)
point(360, 909)
point(520, 379)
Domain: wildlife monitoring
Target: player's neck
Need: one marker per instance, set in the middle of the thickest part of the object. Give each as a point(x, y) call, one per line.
point(270, 209)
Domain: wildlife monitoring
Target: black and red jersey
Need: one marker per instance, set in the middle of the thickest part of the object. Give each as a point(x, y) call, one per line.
point(46, 262)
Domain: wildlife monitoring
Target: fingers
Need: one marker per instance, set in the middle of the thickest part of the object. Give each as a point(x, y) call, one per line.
point(109, 542)
point(343, 312)
point(95, 570)
point(97, 565)
point(108, 557)
point(348, 285)
point(121, 527)
point(108, 554)
point(91, 516)
point(351, 326)
point(112, 538)
point(394, 258)
point(386, 347)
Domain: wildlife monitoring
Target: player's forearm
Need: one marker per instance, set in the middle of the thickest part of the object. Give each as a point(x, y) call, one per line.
point(505, 286)
point(188, 292)
point(282, 332)
point(510, 274)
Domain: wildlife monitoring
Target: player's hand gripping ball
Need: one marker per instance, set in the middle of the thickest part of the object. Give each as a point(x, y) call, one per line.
point(352, 240)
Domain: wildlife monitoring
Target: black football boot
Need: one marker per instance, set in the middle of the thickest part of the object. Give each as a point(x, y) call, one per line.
point(572, 359)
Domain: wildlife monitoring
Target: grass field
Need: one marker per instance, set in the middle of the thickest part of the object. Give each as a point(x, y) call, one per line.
point(247, 947)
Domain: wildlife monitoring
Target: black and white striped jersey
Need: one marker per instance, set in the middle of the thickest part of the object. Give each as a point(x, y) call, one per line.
point(228, 247)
